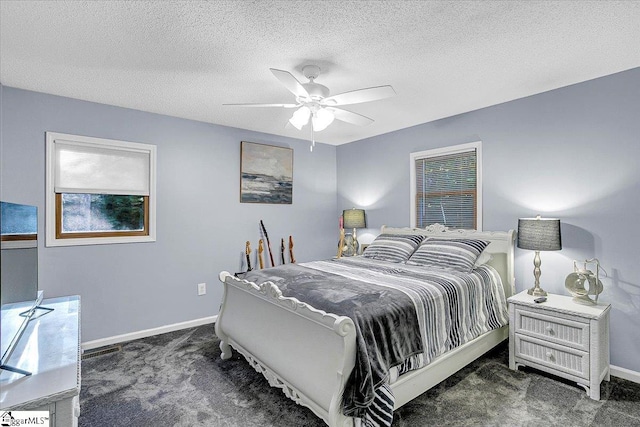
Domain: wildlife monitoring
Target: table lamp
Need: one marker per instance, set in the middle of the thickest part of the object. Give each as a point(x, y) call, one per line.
point(353, 218)
point(539, 234)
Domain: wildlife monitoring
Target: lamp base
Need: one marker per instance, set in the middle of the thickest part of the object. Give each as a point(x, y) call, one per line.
point(537, 291)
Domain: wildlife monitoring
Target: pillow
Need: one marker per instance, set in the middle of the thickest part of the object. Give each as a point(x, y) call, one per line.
point(393, 247)
point(483, 259)
point(450, 254)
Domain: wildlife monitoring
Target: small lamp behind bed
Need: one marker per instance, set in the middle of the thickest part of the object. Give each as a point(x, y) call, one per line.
point(539, 234)
point(353, 218)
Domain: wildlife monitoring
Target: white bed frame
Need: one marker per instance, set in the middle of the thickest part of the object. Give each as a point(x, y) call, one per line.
point(309, 353)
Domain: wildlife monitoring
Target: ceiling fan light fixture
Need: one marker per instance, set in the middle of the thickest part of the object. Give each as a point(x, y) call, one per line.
point(321, 119)
point(300, 117)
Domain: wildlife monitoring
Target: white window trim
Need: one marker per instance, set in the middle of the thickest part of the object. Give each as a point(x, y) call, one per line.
point(50, 205)
point(440, 152)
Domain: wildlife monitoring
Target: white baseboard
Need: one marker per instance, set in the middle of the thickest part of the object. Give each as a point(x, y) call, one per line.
point(147, 333)
point(625, 374)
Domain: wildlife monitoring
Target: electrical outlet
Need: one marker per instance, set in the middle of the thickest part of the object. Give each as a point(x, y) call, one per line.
point(202, 288)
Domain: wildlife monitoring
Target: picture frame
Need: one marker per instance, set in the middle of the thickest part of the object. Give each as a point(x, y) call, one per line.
point(266, 173)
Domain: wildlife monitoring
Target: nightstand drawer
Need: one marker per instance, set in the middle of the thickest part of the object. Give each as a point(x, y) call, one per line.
point(553, 329)
point(557, 357)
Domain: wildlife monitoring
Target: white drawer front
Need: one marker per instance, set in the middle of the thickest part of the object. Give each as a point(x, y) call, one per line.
point(560, 358)
point(553, 329)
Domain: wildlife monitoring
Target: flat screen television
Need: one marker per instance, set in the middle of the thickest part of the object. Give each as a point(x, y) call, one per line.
point(18, 275)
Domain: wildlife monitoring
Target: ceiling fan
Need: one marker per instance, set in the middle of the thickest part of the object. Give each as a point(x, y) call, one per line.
point(314, 103)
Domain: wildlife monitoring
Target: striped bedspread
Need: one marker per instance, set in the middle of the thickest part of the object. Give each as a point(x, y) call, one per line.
point(405, 316)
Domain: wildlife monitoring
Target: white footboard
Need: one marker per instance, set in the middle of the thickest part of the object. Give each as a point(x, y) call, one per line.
point(309, 355)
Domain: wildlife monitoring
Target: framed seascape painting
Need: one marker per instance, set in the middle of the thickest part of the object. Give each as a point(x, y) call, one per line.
point(266, 174)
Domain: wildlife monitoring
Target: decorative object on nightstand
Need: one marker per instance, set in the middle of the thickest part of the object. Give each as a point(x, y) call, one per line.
point(539, 234)
point(562, 338)
point(575, 282)
point(353, 218)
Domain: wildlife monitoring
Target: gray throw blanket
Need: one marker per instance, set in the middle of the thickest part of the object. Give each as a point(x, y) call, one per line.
point(386, 323)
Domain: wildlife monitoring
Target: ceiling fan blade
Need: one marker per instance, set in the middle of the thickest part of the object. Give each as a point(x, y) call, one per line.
point(290, 82)
point(360, 95)
point(350, 116)
point(264, 105)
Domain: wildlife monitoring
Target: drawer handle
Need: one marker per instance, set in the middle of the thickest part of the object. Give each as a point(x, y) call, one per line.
point(549, 355)
point(549, 329)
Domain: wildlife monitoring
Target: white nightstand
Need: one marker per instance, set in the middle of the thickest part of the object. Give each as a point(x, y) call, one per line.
point(561, 337)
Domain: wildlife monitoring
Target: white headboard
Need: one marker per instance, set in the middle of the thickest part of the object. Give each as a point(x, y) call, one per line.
point(501, 247)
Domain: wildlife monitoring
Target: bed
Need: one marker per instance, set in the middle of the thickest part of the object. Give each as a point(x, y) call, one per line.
point(313, 354)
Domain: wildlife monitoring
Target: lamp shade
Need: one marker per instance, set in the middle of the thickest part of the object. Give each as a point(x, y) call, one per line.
point(354, 218)
point(321, 119)
point(539, 234)
point(301, 117)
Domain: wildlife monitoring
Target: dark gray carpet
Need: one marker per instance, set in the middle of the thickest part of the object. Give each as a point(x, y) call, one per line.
point(178, 379)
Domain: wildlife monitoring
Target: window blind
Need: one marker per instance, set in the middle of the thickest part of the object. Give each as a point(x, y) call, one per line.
point(446, 190)
point(95, 169)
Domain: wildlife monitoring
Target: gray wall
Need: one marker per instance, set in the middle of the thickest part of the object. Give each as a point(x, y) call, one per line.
point(570, 153)
point(201, 225)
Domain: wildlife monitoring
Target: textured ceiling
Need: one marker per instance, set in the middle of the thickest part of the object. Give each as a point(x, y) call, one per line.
point(187, 58)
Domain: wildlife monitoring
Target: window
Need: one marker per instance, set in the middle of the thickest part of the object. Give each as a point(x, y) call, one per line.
point(446, 187)
point(99, 191)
